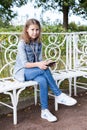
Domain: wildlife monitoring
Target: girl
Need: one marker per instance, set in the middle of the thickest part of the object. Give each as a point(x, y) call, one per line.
point(29, 66)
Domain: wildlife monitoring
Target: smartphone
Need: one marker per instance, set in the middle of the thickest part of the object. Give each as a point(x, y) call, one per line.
point(51, 64)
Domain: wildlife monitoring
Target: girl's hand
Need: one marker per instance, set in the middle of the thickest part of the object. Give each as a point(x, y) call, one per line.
point(42, 65)
point(49, 61)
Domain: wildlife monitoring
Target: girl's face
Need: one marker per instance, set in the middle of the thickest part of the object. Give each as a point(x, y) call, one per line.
point(33, 31)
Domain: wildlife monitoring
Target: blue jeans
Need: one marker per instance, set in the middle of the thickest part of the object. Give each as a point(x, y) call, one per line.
point(45, 80)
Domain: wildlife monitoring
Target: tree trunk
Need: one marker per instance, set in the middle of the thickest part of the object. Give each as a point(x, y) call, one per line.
point(65, 17)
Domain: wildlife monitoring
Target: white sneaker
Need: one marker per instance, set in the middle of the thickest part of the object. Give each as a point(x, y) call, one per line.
point(46, 114)
point(65, 99)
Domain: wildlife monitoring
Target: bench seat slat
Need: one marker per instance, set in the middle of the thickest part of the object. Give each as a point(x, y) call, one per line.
point(9, 85)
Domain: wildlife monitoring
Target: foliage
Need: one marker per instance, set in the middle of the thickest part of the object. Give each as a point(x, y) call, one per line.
point(48, 28)
point(11, 28)
point(53, 28)
point(72, 27)
point(78, 7)
point(81, 8)
point(76, 28)
point(6, 9)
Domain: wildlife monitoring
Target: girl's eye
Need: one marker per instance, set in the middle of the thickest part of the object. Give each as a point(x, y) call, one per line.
point(35, 29)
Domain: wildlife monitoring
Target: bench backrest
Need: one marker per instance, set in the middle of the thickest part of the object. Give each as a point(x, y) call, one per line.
point(56, 46)
point(8, 51)
point(80, 51)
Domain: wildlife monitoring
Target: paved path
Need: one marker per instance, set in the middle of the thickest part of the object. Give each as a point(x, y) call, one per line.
point(69, 118)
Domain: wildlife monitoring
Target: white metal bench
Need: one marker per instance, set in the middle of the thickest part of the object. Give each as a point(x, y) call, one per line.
point(8, 85)
point(58, 47)
point(80, 59)
point(65, 58)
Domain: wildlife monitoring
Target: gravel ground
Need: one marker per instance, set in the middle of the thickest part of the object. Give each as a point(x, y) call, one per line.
point(69, 118)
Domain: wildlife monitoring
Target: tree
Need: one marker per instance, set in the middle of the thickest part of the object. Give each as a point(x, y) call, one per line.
point(6, 9)
point(78, 7)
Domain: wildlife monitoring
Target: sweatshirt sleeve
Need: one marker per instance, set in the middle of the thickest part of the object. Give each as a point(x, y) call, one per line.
point(22, 53)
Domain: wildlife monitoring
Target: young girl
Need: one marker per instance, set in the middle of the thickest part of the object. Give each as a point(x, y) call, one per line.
point(29, 66)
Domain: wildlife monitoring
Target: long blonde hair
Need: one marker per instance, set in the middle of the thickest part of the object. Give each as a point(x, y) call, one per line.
point(25, 36)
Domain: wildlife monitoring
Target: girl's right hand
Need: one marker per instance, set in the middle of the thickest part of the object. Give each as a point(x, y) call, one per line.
point(42, 65)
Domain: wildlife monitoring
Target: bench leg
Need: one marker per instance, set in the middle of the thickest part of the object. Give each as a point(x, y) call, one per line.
point(70, 86)
point(13, 96)
point(56, 105)
point(75, 88)
point(15, 115)
point(14, 102)
point(35, 94)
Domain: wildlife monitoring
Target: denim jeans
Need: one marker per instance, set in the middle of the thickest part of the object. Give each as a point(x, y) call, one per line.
point(45, 80)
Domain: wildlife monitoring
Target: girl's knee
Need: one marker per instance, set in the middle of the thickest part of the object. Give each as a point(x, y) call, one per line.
point(41, 80)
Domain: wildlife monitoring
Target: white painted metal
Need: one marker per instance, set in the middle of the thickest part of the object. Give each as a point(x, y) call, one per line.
point(61, 47)
point(8, 85)
point(80, 58)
